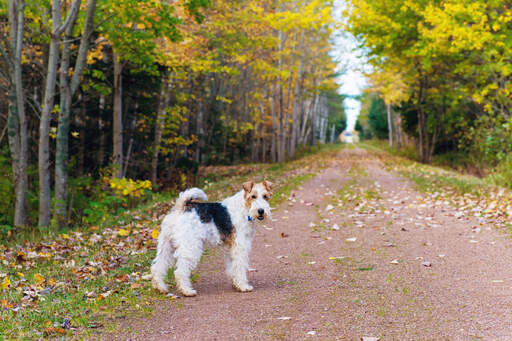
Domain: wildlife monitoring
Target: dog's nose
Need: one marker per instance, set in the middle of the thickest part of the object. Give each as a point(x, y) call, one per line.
point(261, 211)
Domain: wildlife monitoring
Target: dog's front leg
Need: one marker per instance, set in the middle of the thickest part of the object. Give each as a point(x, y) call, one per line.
point(237, 266)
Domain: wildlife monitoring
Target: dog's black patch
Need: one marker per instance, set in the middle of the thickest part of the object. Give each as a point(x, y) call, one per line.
point(208, 211)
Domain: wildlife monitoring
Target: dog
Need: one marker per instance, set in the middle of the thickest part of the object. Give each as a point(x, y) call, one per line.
point(190, 225)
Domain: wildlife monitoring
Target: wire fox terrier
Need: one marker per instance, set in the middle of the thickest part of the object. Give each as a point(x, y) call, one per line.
point(191, 224)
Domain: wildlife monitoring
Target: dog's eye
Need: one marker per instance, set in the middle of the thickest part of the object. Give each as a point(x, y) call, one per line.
point(253, 196)
point(265, 197)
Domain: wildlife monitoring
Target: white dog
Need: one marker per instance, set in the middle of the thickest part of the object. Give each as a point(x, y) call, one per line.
point(190, 224)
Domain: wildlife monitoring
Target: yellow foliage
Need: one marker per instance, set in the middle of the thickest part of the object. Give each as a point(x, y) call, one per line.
point(129, 188)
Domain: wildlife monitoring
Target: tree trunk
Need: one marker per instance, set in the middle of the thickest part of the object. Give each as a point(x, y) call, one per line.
point(390, 125)
point(80, 123)
point(44, 124)
point(295, 114)
point(163, 104)
point(101, 128)
point(16, 121)
point(274, 128)
point(280, 108)
point(67, 90)
point(118, 116)
point(199, 130)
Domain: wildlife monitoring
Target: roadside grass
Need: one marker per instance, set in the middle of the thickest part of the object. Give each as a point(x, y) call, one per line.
point(76, 283)
point(470, 194)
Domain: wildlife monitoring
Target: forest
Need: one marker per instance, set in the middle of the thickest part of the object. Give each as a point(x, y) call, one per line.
point(440, 78)
point(102, 102)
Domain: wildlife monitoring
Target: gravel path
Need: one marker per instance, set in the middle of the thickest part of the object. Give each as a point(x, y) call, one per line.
point(400, 267)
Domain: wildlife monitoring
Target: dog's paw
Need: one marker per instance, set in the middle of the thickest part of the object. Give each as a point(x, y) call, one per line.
point(160, 286)
point(188, 292)
point(244, 287)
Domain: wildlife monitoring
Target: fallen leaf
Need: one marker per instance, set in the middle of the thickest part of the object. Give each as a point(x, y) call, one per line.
point(353, 239)
point(427, 264)
point(123, 232)
point(135, 285)
point(155, 233)
point(38, 278)
point(147, 277)
point(370, 338)
point(52, 330)
point(312, 332)
point(104, 295)
point(284, 318)
point(123, 278)
point(334, 258)
point(329, 207)
point(284, 235)
point(5, 283)
point(394, 261)
point(335, 227)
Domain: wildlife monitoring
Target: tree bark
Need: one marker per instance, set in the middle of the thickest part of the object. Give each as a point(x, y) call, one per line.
point(67, 90)
point(101, 128)
point(274, 127)
point(44, 124)
point(390, 125)
point(163, 104)
point(280, 107)
point(295, 114)
point(16, 121)
point(118, 116)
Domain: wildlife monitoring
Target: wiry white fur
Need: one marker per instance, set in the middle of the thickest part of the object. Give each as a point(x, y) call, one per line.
point(183, 237)
point(189, 194)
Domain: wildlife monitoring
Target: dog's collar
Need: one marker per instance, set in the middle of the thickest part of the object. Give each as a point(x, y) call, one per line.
point(249, 218)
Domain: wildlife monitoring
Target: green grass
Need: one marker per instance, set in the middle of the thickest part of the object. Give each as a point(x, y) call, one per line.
point(368, 268)
point(428, 178)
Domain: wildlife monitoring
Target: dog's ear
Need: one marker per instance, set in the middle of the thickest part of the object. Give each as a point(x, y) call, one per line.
point(268, 185)
point(248, 186)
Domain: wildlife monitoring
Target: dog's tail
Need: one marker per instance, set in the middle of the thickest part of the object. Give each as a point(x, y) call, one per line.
point(188, 196)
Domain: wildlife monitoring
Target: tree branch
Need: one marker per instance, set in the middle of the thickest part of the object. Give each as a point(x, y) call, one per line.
point(84, 46)
point(73, 12)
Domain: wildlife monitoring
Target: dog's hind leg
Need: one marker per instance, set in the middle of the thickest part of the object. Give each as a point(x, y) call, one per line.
point(163, 261)
point(187, 259)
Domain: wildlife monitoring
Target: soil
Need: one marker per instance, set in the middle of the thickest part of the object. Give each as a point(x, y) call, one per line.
point(400, 267)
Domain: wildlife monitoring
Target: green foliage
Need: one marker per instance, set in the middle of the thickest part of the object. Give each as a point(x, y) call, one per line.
point(377, 118)
point(6, 192)
point(502, 174)
point(336, 111)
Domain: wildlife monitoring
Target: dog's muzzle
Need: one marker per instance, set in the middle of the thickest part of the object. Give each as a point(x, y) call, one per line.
point(261, 214)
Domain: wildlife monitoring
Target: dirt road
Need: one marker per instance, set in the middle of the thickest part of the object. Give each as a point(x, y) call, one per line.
point(355, 252)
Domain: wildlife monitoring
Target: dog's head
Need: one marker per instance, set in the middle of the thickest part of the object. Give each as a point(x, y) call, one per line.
point(257, 196)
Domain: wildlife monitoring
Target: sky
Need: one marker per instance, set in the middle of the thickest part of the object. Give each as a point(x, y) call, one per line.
point(352, 80)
